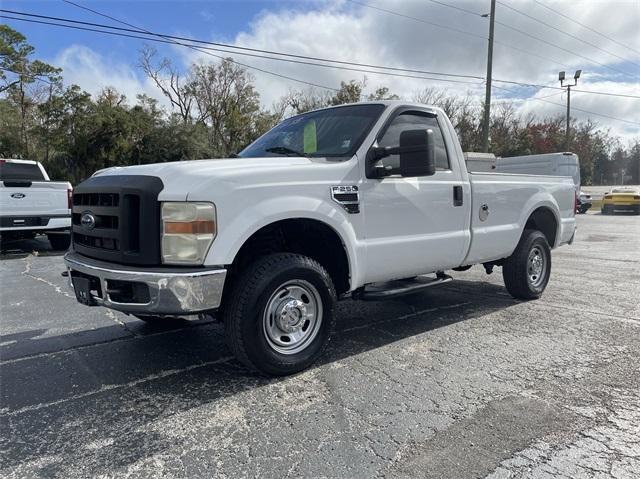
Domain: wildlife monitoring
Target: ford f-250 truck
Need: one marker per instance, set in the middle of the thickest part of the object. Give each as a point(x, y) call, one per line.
point(31, 204)
point(369, 200)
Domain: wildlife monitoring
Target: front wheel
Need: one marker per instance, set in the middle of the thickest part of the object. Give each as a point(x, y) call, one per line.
point(526, 272)
point(279, 315)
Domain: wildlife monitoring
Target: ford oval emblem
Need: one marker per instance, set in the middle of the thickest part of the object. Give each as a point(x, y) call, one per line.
point(87, 220)
point(18, 196)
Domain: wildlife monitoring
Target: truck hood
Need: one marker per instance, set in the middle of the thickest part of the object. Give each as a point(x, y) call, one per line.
point(213, 166)
point(183, 178)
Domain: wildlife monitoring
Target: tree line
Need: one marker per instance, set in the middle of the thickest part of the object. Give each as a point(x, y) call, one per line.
point(215, 111)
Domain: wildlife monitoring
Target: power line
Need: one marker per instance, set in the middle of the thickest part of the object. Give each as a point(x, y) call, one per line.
point(500, 88)
point(531, 17)
point(224, 45)
point(172, 38)
point(590, 112)
point(455, 7)
point(171, 42)
point(621, 95)
point(533, 37)
point(433, 24)
point(586, 27)
point(457, 30)
point(542, 40)
point(523, 100)
point(280, 75)
point(577, 109)
point(203, 50)
point(163, 38)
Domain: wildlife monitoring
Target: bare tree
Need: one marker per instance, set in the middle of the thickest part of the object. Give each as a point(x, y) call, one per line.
point(169, 80)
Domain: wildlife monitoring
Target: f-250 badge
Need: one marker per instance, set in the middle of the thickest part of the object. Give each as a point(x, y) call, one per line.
point(347, 196)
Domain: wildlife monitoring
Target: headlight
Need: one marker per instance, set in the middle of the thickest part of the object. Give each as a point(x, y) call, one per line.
point(188, 229)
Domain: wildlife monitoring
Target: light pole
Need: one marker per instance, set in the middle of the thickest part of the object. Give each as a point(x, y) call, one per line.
point(561, 77)
point(487, 97)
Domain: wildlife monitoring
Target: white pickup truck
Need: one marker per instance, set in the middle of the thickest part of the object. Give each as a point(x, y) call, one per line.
point(30, 204)
point(369, 201)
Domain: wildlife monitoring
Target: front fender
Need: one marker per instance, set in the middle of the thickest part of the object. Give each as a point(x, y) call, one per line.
point(234, 233)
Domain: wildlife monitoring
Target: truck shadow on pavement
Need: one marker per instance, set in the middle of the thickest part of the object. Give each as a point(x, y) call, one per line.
point(21, 248)
point(103, 407)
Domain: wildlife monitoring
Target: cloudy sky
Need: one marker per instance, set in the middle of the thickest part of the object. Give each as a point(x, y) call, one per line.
point(532, 45)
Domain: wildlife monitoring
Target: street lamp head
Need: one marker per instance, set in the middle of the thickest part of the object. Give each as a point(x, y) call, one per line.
point(561, 76)
point(577, 74)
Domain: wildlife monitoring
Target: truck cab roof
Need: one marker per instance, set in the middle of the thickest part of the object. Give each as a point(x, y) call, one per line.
point(387, 103)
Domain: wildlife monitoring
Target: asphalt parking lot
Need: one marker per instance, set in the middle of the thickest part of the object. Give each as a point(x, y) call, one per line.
point(460, 381)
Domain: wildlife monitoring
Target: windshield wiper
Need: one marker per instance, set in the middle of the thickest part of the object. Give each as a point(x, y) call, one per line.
point(283, 150)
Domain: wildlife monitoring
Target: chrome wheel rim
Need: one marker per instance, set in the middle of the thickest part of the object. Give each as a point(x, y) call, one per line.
point(292, 317)
point(536, 266)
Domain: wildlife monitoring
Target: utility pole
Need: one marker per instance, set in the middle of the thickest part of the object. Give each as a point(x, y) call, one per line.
point(487, 95)
point(561, 77)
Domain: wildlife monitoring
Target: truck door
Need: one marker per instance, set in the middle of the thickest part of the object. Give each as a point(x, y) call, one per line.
point(415, 225)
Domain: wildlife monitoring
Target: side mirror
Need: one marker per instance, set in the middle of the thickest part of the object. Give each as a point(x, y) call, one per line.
point(417, 153)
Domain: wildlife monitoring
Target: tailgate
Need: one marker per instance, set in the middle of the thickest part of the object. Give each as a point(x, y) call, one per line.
point(38, 198)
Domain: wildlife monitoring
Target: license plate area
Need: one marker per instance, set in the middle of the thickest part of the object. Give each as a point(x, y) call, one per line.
point(86, 287)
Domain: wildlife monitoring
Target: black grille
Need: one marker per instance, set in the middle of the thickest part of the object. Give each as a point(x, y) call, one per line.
point(96, 199)
point(122, 216)
point(96, 242)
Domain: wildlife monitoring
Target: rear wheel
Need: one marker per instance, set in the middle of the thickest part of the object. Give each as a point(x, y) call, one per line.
point(59, 241)
point(526, 272)
point(279, 315)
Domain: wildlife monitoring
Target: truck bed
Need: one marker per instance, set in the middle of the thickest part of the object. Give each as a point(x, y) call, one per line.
point(513, 197)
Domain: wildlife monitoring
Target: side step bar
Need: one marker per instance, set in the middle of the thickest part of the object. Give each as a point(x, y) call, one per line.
point(392, 289)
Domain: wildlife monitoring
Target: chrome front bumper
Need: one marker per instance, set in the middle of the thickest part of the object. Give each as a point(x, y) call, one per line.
point(172, 291)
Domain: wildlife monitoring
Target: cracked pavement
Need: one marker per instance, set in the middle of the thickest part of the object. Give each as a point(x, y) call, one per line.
point(460, 381)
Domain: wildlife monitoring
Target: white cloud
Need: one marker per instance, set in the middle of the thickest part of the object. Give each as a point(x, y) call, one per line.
point(93, 72)
point(350, 32)
point(346, 31)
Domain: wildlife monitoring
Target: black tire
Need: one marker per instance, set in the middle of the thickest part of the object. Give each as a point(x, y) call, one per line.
point(59, 241)
point(249, 326)
point(519, 269)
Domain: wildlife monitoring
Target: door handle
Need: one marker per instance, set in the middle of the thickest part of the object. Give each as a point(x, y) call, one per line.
point(457, 195)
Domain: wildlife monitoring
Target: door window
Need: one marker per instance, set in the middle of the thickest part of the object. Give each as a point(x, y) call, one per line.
point(413, 120)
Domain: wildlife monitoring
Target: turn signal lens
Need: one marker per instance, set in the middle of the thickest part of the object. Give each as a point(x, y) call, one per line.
point(188, 229)
point(191, 227)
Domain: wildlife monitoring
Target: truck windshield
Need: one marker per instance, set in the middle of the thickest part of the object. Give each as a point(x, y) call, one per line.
point(333, 132)
point(20, 171)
